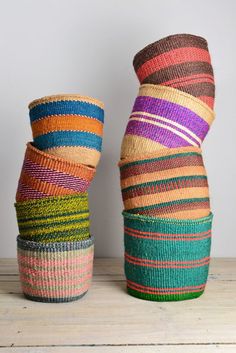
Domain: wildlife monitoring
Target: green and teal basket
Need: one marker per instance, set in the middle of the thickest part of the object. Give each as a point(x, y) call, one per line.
point(166, 259)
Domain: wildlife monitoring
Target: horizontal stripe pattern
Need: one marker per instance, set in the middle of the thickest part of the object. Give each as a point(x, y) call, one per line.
point(146, 191)
point(173, 113)
point(167, 218)
point(45, 175)
point(166, 264)
point(54, 219)
point(192, 208)
point(65, 107)
point(178, 97)
point(55, 272)
point(54, 246)
point(165, 118)
point(68, 138)
point(181, 61)
point(167, 44)
point(173, 158)
point(68, 121)
point(163, 135)
point(175, 56)
point(194, 71)
point(162, 236)
point(164, 186)
point(166, 259)
point(164, 123)
point(163, 291)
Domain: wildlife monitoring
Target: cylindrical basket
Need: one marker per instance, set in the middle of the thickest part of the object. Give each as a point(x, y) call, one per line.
point(166, 259)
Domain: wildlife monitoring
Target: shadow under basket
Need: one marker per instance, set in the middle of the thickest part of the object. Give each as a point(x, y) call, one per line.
point(55, 272)
point(166, 259)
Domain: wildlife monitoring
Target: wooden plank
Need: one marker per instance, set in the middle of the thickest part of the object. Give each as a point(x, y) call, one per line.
point(126, 349)
point(108, 316)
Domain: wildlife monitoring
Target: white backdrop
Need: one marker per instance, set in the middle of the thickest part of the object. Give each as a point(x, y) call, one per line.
point(87, 47)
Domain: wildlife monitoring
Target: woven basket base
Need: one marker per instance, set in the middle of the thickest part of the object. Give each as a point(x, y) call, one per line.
point(54, 300)
point(164, 298)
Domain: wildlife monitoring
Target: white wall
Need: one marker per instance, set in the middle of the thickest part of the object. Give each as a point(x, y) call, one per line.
point(87, 47)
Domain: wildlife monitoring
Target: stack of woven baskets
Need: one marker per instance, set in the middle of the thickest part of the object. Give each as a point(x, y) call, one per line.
point(55, 248)
point(167, 217)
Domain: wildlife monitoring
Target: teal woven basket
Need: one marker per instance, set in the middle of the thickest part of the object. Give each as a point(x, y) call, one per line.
point(166, 259)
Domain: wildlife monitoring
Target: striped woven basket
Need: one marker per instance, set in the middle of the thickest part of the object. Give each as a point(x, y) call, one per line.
point(166, 259)
point(54, 247)
point(167, 216)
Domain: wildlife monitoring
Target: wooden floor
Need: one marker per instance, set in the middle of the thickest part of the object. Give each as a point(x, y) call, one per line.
point(107, 320)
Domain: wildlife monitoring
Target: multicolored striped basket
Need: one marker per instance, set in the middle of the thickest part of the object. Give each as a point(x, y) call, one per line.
point(55, 272)
point(168, 183)
point(54, 247)
point(45, 175)
point(164, 117)
point(166, 259)
point(54, 219)
point(181, 61)
point(165, 192)
point(69, 126)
